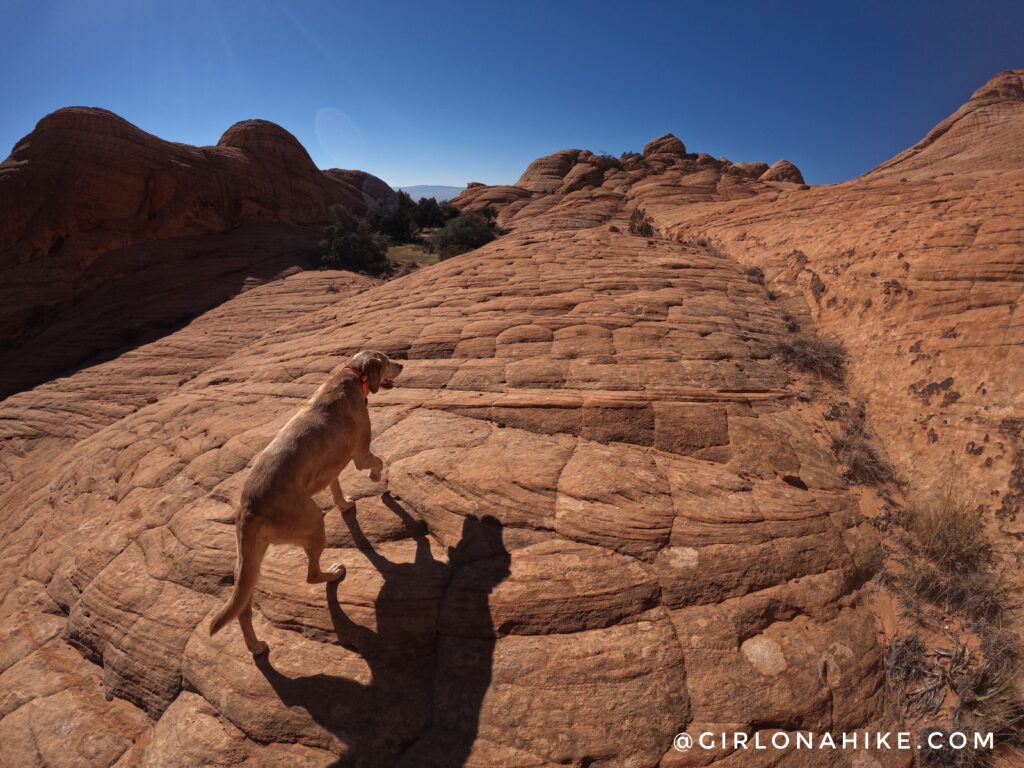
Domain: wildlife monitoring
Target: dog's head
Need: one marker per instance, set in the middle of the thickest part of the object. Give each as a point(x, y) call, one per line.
point(381, 370)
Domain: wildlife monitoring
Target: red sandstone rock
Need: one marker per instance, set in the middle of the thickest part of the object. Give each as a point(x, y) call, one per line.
point(576, 182)
point(783, 170)
point(86, 195)
point(613, 407)
point(753, 170)
point(375, 193)
point(672, 546)
point(665, 145)
point(546, 174)
point(916, 267)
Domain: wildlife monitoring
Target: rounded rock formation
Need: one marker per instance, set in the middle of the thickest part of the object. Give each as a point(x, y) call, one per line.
point(783, 170)
point(376, 193)
point(267, 140)
point(751, 170)
point(90, 202)
point(665, 145)
point(546, 174)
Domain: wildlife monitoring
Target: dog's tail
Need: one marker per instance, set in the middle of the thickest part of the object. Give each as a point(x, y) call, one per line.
point(250, 558)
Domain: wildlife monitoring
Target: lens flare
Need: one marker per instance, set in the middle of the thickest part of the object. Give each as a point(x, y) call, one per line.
point(341, 142)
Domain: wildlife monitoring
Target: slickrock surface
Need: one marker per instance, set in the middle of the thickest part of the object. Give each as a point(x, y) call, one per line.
point(106, 230)
point(673, 547)
point(55, 415)
point(918, 267)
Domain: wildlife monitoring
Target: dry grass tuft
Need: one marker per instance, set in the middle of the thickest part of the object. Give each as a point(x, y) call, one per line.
point(815, 354)
point(954, 559)
point(905, 663)
point(989, 704)
point(952, 566)
point(949, 533)
point(854, 447)
point(640, 223)
point(1001, 649)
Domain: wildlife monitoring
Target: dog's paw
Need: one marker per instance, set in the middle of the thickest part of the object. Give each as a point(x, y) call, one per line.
point(336, 572)
point(259, 648)
point(347, 505)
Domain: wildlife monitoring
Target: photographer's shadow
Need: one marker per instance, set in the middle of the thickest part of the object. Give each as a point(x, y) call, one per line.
point(430, 656)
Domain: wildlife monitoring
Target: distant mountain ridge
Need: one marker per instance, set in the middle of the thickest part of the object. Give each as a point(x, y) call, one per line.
point(440, 192)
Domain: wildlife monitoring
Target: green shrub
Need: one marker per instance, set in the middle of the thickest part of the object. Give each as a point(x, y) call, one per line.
point(431, 215)
point(640, 223)
point(467, 231)
point(397, 219)
point(350, 243)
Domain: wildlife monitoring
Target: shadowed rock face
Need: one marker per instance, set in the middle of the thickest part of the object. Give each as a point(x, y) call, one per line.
point(96, 210)
point(613, 515)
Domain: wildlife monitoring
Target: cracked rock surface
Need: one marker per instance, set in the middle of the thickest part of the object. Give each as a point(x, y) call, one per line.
point(610, 402)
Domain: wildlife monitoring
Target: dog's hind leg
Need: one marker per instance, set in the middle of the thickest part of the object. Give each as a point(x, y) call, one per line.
point(314, 544)
point(254, 644)
point(251, 548)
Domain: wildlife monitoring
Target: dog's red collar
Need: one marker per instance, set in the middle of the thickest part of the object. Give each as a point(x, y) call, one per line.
point(364, 380)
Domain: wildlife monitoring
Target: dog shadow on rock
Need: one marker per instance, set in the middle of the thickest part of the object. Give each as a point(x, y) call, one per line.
point(430, 657)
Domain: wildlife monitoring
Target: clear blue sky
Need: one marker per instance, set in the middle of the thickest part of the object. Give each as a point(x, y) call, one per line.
point(444, 92)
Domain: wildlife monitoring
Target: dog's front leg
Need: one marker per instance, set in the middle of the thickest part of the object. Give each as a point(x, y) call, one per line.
point(371, 462)
point(377, 468)
point(343, 504)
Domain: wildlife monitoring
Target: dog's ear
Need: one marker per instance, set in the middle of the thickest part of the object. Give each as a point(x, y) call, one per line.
point(374, 370)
